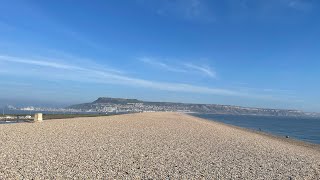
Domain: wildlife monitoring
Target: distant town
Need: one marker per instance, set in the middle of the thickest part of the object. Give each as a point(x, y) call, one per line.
point(107, 105)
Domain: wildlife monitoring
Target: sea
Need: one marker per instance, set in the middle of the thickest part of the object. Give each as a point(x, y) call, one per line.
point(301, 128)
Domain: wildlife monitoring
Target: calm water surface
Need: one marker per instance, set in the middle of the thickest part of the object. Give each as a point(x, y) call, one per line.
point(306, 129)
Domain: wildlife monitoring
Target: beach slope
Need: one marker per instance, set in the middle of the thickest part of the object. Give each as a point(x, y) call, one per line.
point(149, 145)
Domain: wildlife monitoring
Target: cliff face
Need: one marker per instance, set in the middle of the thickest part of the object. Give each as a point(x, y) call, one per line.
point(134, 105)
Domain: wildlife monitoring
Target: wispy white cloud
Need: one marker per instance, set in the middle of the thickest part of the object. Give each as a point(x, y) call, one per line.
point(39, 63)
point(279, 90)
point(192, 10)
point(32, 12)
point(79, 73)
point(203, 69)
point(181, 67)
point(159, 64)
point(54, 55)
point(86, 62)
point(205, 10)
point(267, 9)
point(246, 88)
point(303, 5)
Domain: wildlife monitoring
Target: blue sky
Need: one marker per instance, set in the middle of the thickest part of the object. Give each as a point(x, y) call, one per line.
point(254, 53)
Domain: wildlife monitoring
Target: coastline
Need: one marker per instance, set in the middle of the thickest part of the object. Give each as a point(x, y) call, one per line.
point(149, 145)
point(266, 134)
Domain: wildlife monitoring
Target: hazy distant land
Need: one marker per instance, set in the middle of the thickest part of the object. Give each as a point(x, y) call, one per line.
point(106, 104)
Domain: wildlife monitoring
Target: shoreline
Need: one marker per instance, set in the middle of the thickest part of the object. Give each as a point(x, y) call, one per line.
point(266, 134)
point(149, 146)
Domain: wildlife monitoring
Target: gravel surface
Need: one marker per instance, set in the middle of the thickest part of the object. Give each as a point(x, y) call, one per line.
point(149, 145)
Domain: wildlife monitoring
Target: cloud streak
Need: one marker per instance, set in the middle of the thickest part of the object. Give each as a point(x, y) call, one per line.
point(183, 68)
point(190, 10)
point(84, 61)
point(203, 69)
point(79, 73)
point(301, 5)
point(38, 18)
point(161, 65)
point(38, 63)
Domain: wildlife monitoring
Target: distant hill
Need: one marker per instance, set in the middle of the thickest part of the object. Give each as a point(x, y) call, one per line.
point(104, 104)
point(116, 100)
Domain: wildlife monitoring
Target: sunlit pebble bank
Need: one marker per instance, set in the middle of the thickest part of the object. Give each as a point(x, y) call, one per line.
point(149, 145)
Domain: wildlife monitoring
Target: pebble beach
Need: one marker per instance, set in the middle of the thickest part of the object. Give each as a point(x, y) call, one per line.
point(149, 146)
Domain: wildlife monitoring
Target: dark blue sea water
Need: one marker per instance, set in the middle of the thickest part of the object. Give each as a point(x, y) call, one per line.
point(305, 129)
